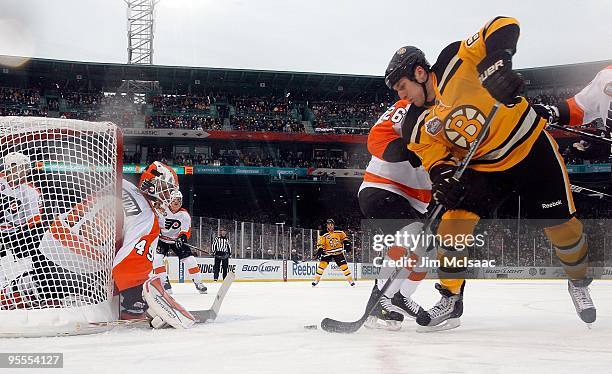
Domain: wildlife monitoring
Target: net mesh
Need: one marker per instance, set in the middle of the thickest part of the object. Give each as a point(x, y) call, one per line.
point(57, 223)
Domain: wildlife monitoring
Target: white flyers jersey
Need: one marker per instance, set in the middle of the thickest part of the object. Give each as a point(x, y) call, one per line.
point(594, 101)
point(19, 206)
point(174, 225)
point(140, 225)
point(400, 177)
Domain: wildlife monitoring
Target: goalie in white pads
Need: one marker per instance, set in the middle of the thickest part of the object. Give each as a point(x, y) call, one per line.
point(175, 231)
point(133, 262)
point(70, 255)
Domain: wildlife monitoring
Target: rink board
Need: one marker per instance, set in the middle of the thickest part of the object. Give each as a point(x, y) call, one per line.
point(288, 271)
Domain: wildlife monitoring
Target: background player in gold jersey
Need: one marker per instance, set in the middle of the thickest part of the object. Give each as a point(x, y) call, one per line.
point(452, 99)
point(331, 246)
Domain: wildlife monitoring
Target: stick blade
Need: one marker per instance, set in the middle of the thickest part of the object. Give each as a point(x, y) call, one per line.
point(335, 326)
point(212, 313)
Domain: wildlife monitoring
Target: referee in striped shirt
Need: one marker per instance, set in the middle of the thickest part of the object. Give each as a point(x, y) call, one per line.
point(222, 249)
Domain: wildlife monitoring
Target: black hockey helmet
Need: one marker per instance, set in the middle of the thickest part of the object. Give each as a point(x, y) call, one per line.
point(330, 221)
point(403, 63)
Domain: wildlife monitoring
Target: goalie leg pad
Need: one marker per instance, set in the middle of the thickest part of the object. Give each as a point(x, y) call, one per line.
point(164, 306)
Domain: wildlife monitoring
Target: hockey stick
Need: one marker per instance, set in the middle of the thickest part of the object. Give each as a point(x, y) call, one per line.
point(198, 249)
point(582, 133)
point(201, 315)
point(591, 193)
point(212, 313)
point(332, 325)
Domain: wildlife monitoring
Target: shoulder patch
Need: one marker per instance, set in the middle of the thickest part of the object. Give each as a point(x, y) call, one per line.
point(433, 126)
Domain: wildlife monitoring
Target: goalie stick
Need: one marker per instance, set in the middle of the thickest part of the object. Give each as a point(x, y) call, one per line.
point(203, 316)
point(332, 325)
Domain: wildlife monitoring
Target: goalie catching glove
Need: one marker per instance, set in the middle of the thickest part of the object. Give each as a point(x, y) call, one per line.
point(163, 309)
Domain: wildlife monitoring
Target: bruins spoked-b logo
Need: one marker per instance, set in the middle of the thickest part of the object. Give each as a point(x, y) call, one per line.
point(463, 125)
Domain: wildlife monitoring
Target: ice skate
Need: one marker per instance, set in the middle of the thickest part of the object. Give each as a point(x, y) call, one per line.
point(445, 314)
point(168, 286)
point(579, 291)
point(404, 305)
point(381, 317)
point(200, 287)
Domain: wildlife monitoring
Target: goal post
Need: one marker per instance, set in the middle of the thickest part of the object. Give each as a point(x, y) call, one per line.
point(60, 224)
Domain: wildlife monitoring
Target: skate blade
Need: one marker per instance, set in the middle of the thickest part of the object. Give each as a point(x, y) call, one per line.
point(374, 323)
point(449, 324)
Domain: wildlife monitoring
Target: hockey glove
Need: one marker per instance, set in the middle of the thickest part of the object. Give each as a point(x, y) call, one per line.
point(549, 112)
point(496, 76)
point(446, 190)
point(180, 241)
point(320, 253)
point(347, 245)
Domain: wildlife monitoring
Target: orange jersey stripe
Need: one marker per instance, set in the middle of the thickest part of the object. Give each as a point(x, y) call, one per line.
point(134, 269)
point(380, 136)
point(575, 111)
point(73, 242)
point(34, 220)
point(422, 195)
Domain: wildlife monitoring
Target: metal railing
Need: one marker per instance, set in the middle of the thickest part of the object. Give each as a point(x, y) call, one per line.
point(522, 246)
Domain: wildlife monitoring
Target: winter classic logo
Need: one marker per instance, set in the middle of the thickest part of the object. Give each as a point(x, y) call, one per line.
point(463, 125)
point(433, 126)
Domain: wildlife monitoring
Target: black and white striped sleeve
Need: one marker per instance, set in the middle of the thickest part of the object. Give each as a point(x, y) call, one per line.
point(221, 245)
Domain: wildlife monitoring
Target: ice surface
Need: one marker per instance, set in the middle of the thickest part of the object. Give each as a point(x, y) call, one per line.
point(508, 327)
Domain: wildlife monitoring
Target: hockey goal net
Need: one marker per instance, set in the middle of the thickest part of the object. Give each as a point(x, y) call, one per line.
point(58, 224)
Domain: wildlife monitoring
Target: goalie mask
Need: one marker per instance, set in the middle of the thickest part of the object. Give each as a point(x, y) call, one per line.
point(157, 183)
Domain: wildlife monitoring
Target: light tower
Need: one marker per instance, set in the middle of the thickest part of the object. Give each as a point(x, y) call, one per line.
point(140, 31)
point(140, 17)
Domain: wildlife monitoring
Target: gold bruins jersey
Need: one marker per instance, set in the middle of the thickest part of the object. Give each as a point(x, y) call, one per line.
point(443, 132)
point(332, 242)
